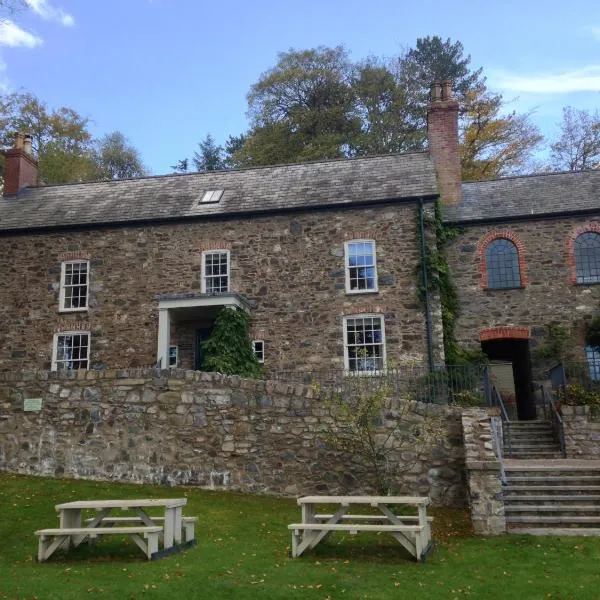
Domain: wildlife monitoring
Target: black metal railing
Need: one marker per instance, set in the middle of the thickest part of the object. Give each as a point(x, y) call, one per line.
point(552, 414)
point(495, 400)
point(442, 385)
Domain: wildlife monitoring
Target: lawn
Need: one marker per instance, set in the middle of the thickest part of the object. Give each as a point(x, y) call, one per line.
point(242, 552)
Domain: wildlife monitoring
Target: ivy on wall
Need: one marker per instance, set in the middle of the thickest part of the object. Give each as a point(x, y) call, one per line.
point(439, 281)
point(228, 349)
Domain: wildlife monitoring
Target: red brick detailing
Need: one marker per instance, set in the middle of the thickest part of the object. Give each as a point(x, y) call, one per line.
point(501, 235)
point(64, 325)
point(571, 247)
point(360, 235)
point(506, 332)
point(214, 246)
point(77, 255)
point(442, 131)
point(369, 308)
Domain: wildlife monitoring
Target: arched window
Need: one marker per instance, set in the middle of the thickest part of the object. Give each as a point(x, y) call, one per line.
point(502, 265)
point(587, 257)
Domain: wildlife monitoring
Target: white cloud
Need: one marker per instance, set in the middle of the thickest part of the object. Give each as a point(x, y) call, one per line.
point(585, 79)
point(50, 13)
point(12, 35)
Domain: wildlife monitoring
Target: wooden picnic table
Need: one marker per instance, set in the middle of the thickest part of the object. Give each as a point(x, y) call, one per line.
point(144, 529)
point(412, 532)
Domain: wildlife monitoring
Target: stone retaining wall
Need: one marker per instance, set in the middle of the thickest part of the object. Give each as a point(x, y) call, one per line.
point(582, 432)
point(205, 429)
point(483, 473)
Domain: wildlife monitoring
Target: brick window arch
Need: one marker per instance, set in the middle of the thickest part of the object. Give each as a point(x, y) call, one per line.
point(501, 261)
point(584, 254)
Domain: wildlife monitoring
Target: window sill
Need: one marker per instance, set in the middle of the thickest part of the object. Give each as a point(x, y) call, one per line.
point(71, 310)
point(506, 289)
point(360, 292)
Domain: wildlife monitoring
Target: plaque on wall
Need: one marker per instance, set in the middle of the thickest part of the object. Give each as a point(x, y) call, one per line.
point(32, 404)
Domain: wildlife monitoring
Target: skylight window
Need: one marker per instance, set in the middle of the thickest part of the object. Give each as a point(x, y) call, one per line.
point(211, 196)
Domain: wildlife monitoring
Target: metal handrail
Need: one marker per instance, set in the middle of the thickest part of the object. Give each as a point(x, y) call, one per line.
point(496, 400)
point(555, 418)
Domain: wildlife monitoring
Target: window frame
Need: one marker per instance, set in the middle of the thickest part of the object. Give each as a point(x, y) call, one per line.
point(579, 278)
point(203, 276)
point(260, 354)
point(487, 265)
point(175, 365)
point(63, 286)
point(347, 266)
point(383, 343)
point(55, 339)
point(592, 356)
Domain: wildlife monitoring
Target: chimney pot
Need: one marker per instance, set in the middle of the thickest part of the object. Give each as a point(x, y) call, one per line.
point(19, 138)
point(27, 143)
point(447, 90)
point(436, 91)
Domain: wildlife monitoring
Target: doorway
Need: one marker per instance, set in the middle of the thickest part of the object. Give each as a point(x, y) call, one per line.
point(201, 336)
point(517, 353)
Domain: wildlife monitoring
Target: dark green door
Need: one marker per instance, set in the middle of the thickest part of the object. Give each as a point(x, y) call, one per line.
point(201, 337)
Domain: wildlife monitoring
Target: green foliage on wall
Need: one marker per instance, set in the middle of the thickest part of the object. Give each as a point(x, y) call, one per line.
point(439, 280)
point(556, 346)
point(228, 349)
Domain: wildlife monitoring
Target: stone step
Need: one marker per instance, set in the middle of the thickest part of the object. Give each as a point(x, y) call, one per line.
point(553, 488)
point(551, 498)
point(531, 455)
point(551, 479)
point(556, 519)
point(558, 531)
point(529, 445)
point(583, 511)
point(529, 425)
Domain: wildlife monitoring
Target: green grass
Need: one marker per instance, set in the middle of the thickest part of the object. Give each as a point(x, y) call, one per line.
point(242, 552)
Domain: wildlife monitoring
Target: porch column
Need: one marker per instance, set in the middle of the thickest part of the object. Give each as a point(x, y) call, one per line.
point(164, 338)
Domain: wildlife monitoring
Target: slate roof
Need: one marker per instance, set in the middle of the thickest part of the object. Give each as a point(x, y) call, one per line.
point(527, 196)
point(325, 183)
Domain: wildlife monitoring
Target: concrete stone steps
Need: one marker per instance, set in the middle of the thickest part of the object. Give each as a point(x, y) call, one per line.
point(558, 531)
point(543, 499)
point(548, 496)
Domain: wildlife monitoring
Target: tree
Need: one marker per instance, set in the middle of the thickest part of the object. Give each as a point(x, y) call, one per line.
point(60, 137)
point(228, 349)
point(117, 159)
point(233, 145)
point(301, 109)
point(384, 112)
point(433, 59)
point(181, 166)
point(210, 156)
point(578, 146)
point(494, 144)
point(387, 437)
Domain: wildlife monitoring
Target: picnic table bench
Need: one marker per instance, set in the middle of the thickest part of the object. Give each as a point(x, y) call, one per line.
point(174, 530)
point(411, 531)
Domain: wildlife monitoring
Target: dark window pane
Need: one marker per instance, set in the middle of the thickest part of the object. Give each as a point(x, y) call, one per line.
point(587, 257)
point(502, 264)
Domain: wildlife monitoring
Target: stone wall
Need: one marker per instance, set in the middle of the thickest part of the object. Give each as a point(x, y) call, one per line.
point(291, 268)
point(205, 429)
point(484, 472)
point(582, 432)
point(548, 293)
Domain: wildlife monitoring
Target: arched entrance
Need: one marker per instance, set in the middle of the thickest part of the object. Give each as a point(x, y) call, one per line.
point(511, 345)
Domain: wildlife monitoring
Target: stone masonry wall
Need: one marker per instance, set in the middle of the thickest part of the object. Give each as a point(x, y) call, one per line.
point(205, 429)
point(483, 473)
point(582, 432)
point(547, 268)
point(291, 268)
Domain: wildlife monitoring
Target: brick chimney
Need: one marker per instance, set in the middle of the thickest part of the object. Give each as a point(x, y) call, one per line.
point(20, 167)
point(442, 131)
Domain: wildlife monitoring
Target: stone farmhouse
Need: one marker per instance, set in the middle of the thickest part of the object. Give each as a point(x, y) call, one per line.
point(324, 256)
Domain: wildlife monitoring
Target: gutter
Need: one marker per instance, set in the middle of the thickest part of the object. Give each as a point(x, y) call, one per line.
point(426, 285)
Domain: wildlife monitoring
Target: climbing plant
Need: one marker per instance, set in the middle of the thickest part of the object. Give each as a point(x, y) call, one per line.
point(439, 280)
point(228, 349)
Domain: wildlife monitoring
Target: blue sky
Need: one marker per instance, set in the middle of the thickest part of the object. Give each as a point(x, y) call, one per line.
point(167, 72)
